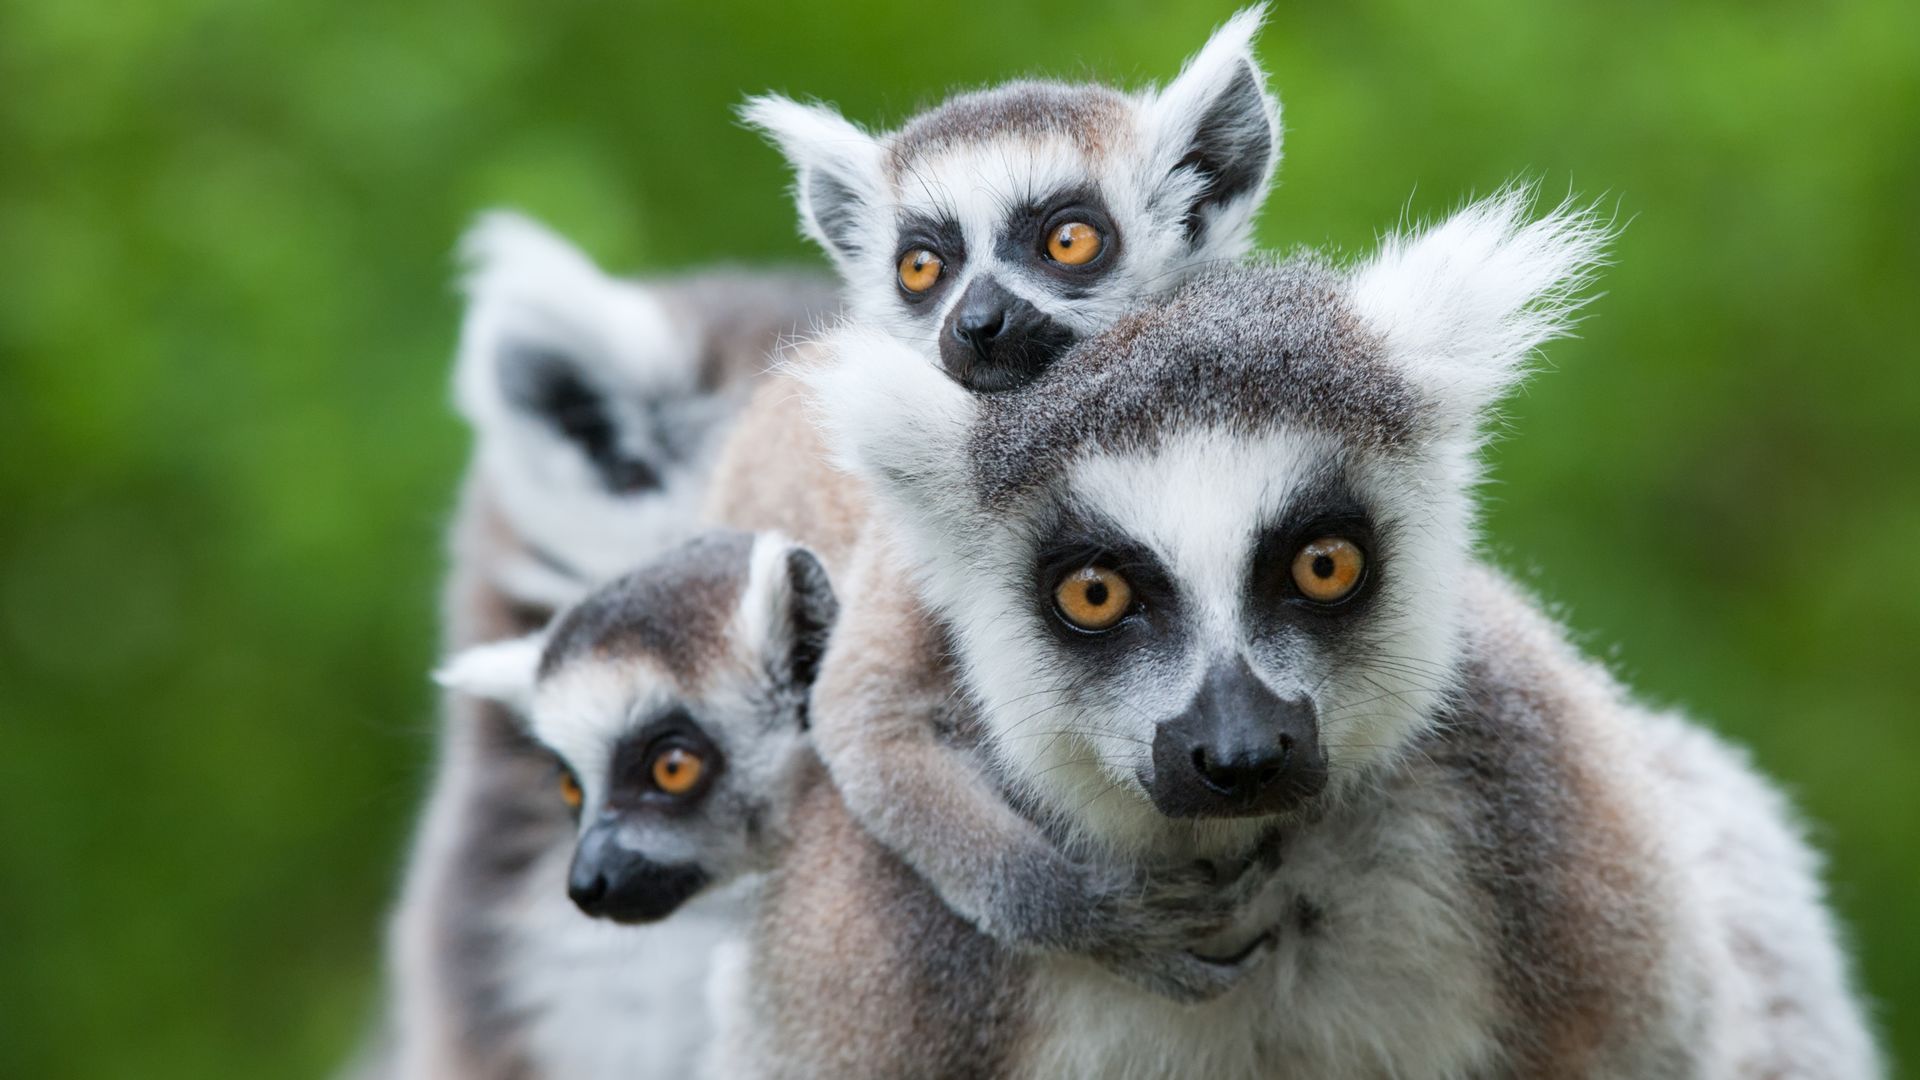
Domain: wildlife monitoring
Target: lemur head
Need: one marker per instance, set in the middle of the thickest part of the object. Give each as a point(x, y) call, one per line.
point(1213, 557)
point(582, 394)
point(997, 228)
point(675, 699)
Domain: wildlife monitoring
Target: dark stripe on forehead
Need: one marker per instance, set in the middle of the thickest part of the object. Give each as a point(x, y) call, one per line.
point(675, 609)
point(1248, 348)
point(1087, 114)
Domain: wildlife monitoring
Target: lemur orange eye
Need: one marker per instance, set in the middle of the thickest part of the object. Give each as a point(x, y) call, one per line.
point(570, 792)
point(677, 770)
point(919, 270)
point(1074, 244)
point(1093, 598)
point(1328, 569)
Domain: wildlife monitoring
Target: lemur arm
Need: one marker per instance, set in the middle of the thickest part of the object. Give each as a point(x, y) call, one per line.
point(883, 691)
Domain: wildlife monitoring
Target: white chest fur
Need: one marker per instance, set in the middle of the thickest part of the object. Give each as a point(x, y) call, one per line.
point(608, 1001)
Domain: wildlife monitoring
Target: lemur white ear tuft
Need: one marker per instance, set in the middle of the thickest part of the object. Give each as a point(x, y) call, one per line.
point(502, 671)
point(1462, 305)
point(1215, 131)
point(837, 170)
point(893, 419)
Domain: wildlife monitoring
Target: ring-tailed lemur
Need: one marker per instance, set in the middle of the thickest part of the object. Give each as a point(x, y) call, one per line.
point(580, 388)
point(675, 700)
point(996, 229)
point(1213, 574)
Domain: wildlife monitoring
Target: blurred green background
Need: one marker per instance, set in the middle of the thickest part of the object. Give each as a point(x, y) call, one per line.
point(226, 321)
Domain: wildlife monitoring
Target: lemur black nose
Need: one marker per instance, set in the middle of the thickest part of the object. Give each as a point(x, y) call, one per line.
point(609, 880)
point(996, 340)
point(1237, 750)
point(1243, 772)
point(587, 890)
point(977, 329)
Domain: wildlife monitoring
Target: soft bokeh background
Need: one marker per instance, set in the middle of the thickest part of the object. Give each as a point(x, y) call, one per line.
point(226, 454)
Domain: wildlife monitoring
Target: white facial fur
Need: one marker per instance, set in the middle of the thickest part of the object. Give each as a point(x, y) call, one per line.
point(1456, 310)
point(529, 291)
point(855, 189)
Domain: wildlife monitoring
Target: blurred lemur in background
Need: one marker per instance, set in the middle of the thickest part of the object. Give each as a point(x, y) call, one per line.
point(986, 235)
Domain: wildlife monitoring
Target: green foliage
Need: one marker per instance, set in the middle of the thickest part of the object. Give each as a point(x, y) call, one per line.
point(226, 320)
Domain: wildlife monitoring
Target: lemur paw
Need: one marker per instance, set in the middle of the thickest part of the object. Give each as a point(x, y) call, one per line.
point(1164, 930)
point(1182, 975)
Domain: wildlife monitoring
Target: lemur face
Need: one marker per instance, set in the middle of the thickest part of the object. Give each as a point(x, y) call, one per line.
point(674, 701)
point(993, 231)
point(1211, 558)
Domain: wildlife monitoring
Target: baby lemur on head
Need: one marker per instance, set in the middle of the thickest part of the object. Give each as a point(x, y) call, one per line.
point(1210, 577)
point(995, 230)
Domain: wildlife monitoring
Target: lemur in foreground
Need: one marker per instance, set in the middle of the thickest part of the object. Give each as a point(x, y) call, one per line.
point(1210, 578)
point(579, 387)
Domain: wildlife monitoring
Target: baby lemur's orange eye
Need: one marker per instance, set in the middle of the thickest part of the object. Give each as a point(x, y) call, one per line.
point(570, 792)
point(1093, 598)
point(919, 270)
point(677, 770)
point(1328, 569)
point(1074, 244)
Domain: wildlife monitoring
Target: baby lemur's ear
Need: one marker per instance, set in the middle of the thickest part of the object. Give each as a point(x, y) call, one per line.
point(502, 671)
point(548, 340)
point(1215, 130)
point(789, 609)
point(838, 180)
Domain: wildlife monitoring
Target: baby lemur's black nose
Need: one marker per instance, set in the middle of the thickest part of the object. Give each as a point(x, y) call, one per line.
point(609, 880)
point(995, 340)
point(1237, 750)
point(977, 329)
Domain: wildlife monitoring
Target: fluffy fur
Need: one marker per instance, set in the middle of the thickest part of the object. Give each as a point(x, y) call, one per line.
point(1515, 871)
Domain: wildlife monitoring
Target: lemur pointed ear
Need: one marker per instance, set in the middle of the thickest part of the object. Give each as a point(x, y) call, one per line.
point(789, 608)
point(812, 610)
point(547, 336)
point(895, 421)
point(502, 671)
point(1462, 305)
point(837, 169)
point(1216, 132)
